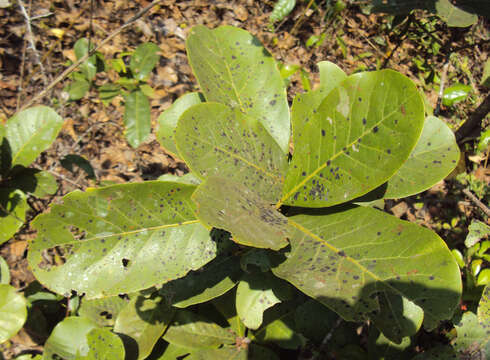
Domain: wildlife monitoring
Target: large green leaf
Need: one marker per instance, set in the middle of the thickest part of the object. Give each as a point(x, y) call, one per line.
point(120, 239)
point(144, 59)
point(216, 140)
point(433, 158)
point(167, 121)
point(348, 258)
point(281, 332)
point(13, 312)
point(192, 331)
point(33, 181)
point(103, 345)
point(68, 340)
point(476, 231)
point(473, 339)
point(144, 320)
point(233, 68)
point(212, 280)
point(255, 294)
point(247, 351)
point(30, 132)
point(225, 204)
point(13, 207)
point(137, 118)
point(361, 134)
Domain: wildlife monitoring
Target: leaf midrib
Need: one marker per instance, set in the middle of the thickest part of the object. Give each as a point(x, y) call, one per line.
point(352, 260)
point(280, 179)
point(333, 157)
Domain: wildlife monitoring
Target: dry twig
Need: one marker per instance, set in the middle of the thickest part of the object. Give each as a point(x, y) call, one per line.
point(477, 201)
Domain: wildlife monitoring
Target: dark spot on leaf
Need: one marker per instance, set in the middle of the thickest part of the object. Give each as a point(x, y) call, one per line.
point(272, 102)
point(375, 129)
point(323, 132)
point(341, 253)
point(364, 121)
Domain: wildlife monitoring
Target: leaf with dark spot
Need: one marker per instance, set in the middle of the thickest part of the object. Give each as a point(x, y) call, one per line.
point(216, 140)
point(341, 116)
point(250, 87)
point(228, 205)
point(340, 260)
point(103, 226)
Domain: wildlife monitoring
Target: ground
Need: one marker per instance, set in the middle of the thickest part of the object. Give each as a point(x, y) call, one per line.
point(353, 39)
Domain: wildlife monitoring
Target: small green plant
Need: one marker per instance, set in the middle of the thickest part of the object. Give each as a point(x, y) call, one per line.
point(294, 233)
point(22, 139)
point(131, 84)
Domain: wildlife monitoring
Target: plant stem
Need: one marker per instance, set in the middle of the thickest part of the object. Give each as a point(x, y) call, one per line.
point(477, 201)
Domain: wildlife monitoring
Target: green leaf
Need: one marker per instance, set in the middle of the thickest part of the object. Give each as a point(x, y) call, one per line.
point(192, 331)
point(68, 340)
point(330, 77)
point(212, 280)
point(142, 234)
point(225, 204)
point(102, 312)
point(347, 258)
point(281, 333)
point(226, 306)
point(4, 271)
point(380, 347)
point(188, 179)
point(233, 68)
point(144, 320)
point(484, 142)
point(13, 312)
point(476, 231)
point(455, 94)
point(483, 278)
point(216, 140)
point(167, 121)
point(453, 15)
point(173, 352)
point(89, 66)
point(282, 8)
point(144, 59)
point(137, 118)
point(314, 320)
point(13, 207)
point(72, 159)
point(255, 294)
point(433, 158)
point(77, 89)
point(484, 309)
point(32, 181)
point(305, 105)
point(405, 314)
point(359, 137)
point(473, 339)
point(103, 345)
point(30, 132)
point(224, 353)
